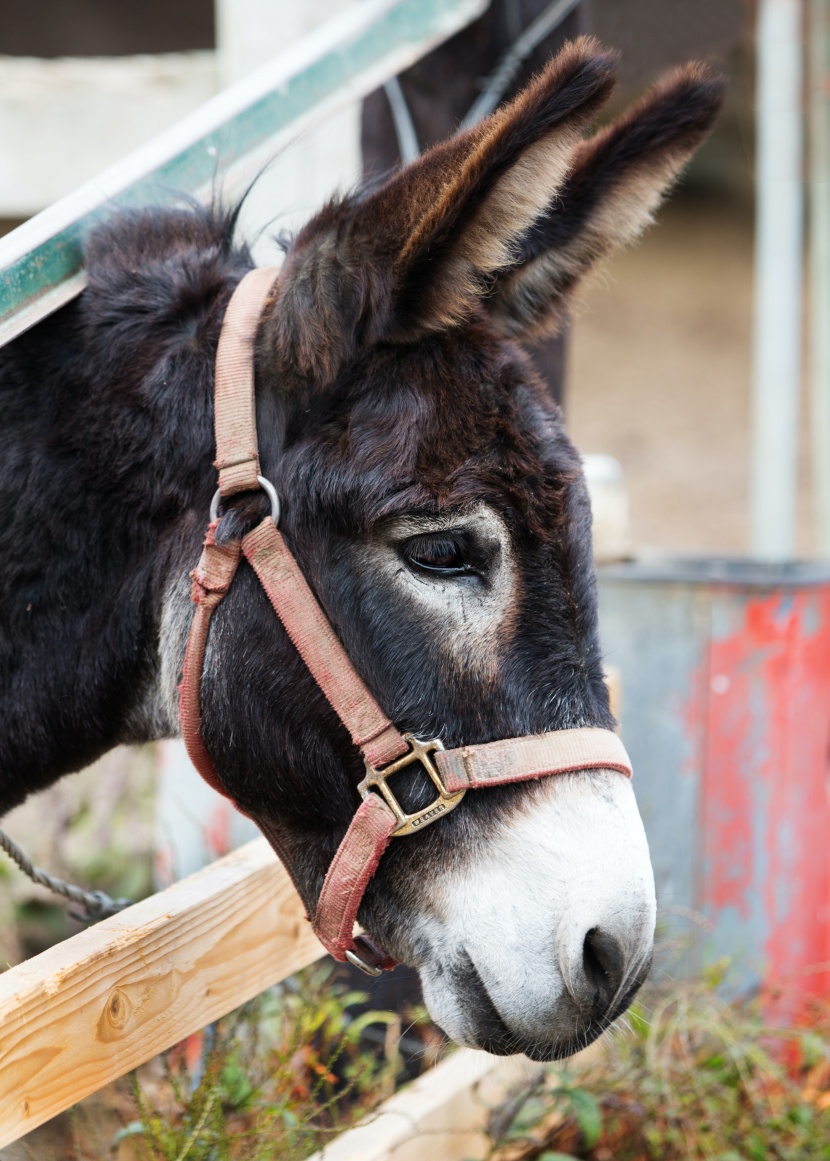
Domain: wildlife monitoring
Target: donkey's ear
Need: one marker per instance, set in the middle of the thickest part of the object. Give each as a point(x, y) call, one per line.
point(617, 181)
point(444, 224)
point(417, 253)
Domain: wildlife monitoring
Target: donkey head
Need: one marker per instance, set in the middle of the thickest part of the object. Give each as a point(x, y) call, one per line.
point(438, 509)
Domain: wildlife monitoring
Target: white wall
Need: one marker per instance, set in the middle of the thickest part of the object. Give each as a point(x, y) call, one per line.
point(326, 158)
point(63, 121)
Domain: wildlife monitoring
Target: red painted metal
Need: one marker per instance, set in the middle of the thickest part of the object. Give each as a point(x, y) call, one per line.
point(765, 803)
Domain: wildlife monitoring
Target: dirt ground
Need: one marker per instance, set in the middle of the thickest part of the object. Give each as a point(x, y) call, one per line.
point(660, 368)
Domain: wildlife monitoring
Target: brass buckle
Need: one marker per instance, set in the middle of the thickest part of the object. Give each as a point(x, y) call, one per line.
point(418, 752)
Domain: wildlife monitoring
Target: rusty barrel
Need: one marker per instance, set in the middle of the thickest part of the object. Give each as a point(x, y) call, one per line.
point(725, 711)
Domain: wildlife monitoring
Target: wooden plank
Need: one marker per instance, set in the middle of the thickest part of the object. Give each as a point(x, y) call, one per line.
point(442, 1115)
point(90, 1009)
point(339, 63)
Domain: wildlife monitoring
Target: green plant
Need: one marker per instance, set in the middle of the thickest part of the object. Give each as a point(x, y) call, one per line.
point(276, 1079)
point(695, 1078)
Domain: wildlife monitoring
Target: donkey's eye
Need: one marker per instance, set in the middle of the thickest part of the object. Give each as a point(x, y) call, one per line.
point(437, 554)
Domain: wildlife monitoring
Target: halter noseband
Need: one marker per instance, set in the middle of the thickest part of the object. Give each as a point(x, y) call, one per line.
point(380, 817)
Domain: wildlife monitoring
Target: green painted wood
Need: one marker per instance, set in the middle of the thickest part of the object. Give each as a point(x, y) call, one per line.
point(41, 263)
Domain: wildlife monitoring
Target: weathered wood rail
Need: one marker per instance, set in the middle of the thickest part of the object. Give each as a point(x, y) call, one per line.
point(84, 1013)
point(442, 1115)
point(89, 1010)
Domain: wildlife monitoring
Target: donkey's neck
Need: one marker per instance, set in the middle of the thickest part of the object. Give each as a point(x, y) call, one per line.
point(105, 472)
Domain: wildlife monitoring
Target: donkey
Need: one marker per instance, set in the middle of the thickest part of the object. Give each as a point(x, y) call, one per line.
point(432, 500)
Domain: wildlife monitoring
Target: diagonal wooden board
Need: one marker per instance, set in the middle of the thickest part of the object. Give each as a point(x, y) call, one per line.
point(90, 1009)
point(443, 1115)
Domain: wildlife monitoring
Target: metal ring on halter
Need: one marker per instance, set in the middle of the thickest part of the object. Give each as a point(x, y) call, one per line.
point(267, 487)
point(357, 962)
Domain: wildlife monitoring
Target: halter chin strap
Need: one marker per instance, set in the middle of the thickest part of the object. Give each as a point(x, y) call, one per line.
point(385, 750)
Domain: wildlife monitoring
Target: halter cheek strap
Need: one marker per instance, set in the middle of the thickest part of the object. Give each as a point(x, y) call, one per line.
point(385, 750)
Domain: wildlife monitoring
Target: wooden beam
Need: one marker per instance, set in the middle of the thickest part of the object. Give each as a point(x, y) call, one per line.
point(90, 1009)
point(41, 262)
point(443, 1114)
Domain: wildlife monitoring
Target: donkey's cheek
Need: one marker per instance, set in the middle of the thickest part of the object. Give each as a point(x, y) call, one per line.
point(550, 928)
point(156, 711)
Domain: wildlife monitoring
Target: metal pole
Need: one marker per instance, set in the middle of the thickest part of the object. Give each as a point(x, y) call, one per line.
point(820, 265)
point(778, 280)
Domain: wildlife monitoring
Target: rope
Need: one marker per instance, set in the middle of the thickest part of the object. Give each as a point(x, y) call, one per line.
point(95, 904)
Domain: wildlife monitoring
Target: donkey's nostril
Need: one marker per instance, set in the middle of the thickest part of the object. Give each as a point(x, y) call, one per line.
point(603, 962)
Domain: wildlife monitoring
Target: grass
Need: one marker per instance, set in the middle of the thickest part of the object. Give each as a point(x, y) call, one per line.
point(694, 1078)
point(276, 1079)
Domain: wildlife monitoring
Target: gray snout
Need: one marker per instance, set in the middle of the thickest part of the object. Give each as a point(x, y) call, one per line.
point(545, 942)
point(602, 964)
point(600, 980)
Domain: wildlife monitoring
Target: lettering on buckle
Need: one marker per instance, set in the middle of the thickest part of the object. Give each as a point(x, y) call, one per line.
point(429, 814)
point(420, 752)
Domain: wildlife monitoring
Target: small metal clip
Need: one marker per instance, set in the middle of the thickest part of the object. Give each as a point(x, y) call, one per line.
point(99, 905)
point(368, 968)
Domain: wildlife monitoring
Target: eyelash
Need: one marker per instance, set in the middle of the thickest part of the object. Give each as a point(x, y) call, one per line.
point(442, 555)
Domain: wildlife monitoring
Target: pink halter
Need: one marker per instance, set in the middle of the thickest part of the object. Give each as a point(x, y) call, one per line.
point(379, 817)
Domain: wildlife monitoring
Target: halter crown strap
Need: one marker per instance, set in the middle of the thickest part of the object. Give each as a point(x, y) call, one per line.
point(379, 815)
point(237, 451)
point(287, 589)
